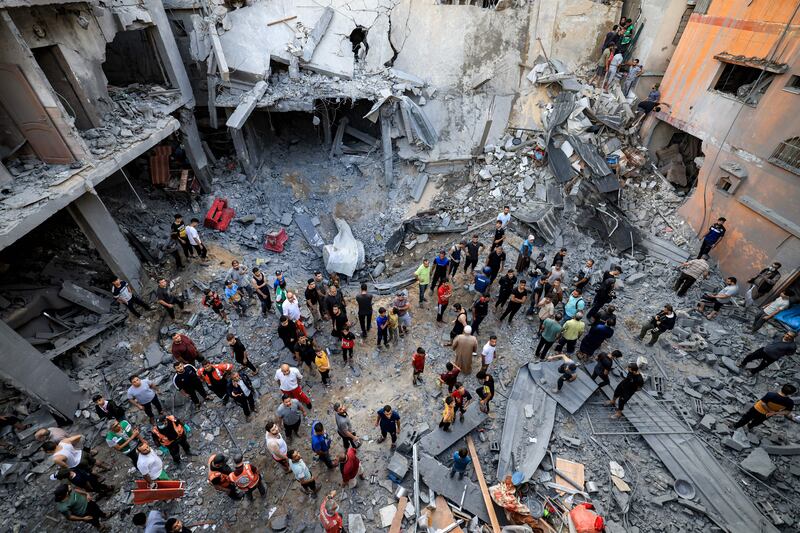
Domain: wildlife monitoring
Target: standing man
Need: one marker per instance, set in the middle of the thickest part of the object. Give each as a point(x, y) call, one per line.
point(329, 515)
point(389, 422)
point(605, 293)
point(691, 271)
point(276, 446)
point(382, 325)
point(661, 322)
point(495, 261)
point(518, 298)
point(124, 438)
point(178, 234)
point(238, 274)
point(247, 478)
point(193, 237)
point(321, 444)
point(487, 355)
point(150, 464)
point(301, 472)
point(321, 284)
point(219, 476)
point(505, 287)
point(499, 234)
point(166, 300)
point(480, 310)
point(719, 299)
point(334, 298)
point(771, 352)
point(77, 506)
point(287, 332)
point(241, 389)
point(551, 329)
point(474, 248)
point(124, 295)
point(423, 276)
point(291, 308)
point(504, 217)
point(771, 404)
point(364, 301)
point(769, 311)
point(584, 275)
point(188, 383)
point(313, 301)
point(465, 346)
point(632, 77)
point(461, 399)
point(443, 294)
point(239, 352)
point(570, 333)
point(216, 377)
point(169, 432)
point(525, 254)
point(714, 236)
point(184, 350)
point(574, 304)
point(626, 388)
point(456, 255)
point(291, 414)
point(289, 379)
point(401, 307)
point(602, 64)
point(344, 427)
point(613, 67)
point(763, 282)
point(459, 323)
point(107, 409)
point(440, 266)
point(260, 286)
point(605, 363)
point(144, 396)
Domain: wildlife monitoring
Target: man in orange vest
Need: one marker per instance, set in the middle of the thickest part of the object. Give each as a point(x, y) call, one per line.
point(216, 378)
point(246, 478)
point(168, 432)
point(329, 515)
point(219, 476)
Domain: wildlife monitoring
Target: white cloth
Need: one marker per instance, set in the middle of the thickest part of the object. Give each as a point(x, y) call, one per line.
point(488, 353)
point(728, 292)
point(245, 388)
point(71, 455)
point(292, 309)
point(276, 442)
point(192, 235)
point(289, 382)
point(504, 218)
point(777, 305)
point(150, 464)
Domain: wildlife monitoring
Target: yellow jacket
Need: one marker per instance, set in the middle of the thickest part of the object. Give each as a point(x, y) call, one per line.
point(322, 362)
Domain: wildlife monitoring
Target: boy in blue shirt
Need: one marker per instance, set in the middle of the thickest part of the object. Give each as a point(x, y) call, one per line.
point(461, 461)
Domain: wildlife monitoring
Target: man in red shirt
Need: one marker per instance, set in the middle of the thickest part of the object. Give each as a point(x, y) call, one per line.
point(329, 515)
point(450, 378)
point(184, 350)
point(350, 467)
point(443, 294)
point(461, 398)
point(418, 362)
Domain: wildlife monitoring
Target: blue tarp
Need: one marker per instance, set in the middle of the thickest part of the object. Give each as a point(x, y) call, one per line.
point(790, 317)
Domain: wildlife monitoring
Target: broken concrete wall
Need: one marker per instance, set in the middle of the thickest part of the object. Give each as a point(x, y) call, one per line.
point(84, 49)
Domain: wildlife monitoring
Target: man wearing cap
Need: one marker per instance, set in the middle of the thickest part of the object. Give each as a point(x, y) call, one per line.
point(465, 345)
point(329, 516)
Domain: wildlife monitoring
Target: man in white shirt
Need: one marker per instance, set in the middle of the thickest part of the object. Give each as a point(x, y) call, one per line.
point(194, 239)
point(291, 307)
point(723, 297)
point(613, 66)
point(777, 305)
point(487, 355)
point(289, 379)
point(150, 464)
point(505, 216)
point(124, 295)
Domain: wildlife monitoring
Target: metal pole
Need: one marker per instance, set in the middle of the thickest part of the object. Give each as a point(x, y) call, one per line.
point(416, 486)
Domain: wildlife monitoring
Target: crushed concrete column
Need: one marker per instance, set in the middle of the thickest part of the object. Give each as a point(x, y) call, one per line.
point(28, 370)
point(386, 143)
point(194, 148)
point(168, 51)
point(101, 229)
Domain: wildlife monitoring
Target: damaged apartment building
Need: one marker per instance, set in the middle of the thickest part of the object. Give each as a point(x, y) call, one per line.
point(87, 88)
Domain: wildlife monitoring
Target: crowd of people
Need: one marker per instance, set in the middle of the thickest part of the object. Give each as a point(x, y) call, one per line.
point(569, 303)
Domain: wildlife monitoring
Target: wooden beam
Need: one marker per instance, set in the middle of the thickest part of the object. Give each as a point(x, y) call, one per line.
point(487, 499)
point(397, 521)
point(285, 19)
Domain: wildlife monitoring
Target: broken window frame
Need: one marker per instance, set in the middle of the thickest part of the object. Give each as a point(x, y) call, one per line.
point(793, 84)
point(762, 81)
point(787, 155)
point(731, 181)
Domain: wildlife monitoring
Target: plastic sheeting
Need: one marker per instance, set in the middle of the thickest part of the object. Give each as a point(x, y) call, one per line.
point(346, 254)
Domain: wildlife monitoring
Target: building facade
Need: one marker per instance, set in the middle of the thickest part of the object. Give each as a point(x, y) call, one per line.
point(734, 83)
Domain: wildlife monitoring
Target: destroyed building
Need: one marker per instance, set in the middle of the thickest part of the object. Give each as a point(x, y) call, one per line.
point(731, 81)
point(357, 138)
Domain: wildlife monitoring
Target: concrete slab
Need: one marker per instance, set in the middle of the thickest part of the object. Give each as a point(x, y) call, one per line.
point(437, 477)
point(790, 449)
point(85, 298)
point(306, 225)
point(438, 441)
point(525, 439)
point(573, 395)
point(355, 524)
point(759, 464)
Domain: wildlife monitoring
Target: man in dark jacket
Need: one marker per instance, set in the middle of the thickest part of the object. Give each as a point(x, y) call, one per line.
point(763, 282)
point(107, 409)
point(714, 236)
point(188, 382)
point(771, 352)
point(658, 324)
point(605, 292)
point(287, 331)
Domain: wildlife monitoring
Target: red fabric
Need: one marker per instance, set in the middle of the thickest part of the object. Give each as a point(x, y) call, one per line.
point(348, 344)
point(450, 378)
point(298, 395)
point(351, 465)
point(418, 362)
point(217, 374)
point(458, 397)
point(441, 293)
point(331, 524)
point(586, 520)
